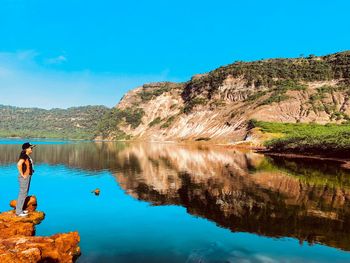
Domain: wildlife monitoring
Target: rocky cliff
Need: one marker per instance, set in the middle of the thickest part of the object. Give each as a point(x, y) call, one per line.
point(218, 105)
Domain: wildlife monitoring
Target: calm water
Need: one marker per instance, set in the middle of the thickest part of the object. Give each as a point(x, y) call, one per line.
point(171, 203)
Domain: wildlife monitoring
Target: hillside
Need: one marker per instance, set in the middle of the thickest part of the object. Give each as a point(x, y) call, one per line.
point(72, 123)
point(218, 105)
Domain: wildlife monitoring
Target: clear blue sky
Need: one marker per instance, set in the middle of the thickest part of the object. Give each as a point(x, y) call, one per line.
point(63, 53)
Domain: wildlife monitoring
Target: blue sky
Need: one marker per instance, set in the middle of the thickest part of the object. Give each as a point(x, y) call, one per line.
point(62, 53)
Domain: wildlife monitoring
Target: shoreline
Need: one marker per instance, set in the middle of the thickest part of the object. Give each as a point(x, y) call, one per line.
point(344, 162)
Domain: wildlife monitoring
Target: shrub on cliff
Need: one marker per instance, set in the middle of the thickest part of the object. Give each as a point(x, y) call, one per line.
point(111, 120)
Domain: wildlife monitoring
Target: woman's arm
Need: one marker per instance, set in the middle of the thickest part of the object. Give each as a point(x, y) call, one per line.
point(19, 167)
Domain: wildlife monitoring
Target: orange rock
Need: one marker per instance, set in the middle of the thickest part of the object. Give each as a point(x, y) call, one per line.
point(96, 191)
point(57, 248)
point(8, 229)
point(12, 225)
point(30, 203)
point(17, 243)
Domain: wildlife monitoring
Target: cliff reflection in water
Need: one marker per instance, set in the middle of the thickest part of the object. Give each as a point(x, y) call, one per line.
point(245, 192)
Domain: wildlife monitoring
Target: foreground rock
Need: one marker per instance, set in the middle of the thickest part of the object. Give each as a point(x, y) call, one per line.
point(12, 225)
point(57, 248)
point(18, 243)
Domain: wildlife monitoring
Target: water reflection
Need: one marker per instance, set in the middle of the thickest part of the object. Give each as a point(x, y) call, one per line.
point(242, 191)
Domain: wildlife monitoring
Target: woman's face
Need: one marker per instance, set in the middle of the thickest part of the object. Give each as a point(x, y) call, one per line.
point(29, 150)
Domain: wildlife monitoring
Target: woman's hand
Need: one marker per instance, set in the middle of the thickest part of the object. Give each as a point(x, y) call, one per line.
point(19, 167)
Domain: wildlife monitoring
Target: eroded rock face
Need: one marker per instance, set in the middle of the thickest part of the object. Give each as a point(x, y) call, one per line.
point(224, 115)
point(217, 106)
point(18, 243)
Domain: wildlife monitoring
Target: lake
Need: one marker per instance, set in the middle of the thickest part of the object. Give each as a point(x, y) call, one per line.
point(163, 202)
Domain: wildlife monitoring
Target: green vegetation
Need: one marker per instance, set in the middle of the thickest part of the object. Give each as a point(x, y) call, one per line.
point(256, 95)
point(110, 121)
point(318, 101)
point(264, 72)
point(328, 140)
point(275, 97)
point(150, 91)
point(278, 75)
point(72, 123)
point(194, 102)
point(278, 93)
point(132, 116)
point(168, 122)
point(312, 172)
point(155, 122)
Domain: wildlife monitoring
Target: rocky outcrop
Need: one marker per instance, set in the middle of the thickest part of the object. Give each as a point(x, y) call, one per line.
point(12, 225)
point(18, 243)
point(28, 249)
point(218, 105)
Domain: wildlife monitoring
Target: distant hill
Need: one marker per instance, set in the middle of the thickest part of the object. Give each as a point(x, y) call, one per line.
point(218, 106)
point(72, 123)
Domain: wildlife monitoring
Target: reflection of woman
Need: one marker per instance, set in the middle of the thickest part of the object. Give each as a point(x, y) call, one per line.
point(25, 168)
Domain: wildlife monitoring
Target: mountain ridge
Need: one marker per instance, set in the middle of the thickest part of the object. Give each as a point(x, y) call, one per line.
point(72, 123)
point(218, 105)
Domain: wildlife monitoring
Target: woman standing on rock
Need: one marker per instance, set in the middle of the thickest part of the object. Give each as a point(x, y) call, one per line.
point(25, 167)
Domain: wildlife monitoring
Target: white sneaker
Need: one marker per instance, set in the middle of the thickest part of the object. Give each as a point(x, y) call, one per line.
point(22, 214)
point(25, 211)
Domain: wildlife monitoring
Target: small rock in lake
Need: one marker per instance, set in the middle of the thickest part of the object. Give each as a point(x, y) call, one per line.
point(96, 191)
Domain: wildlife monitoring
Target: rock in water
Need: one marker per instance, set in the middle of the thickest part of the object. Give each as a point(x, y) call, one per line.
point(96, 191)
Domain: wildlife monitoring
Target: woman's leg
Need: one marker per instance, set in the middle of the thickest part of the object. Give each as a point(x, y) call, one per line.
point(30, 179)
point(23, 192)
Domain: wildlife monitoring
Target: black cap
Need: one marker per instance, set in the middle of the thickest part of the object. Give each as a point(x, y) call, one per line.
point(27, 145)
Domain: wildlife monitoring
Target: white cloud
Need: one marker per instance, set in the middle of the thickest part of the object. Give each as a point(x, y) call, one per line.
point(25, 83)
point(56, 60)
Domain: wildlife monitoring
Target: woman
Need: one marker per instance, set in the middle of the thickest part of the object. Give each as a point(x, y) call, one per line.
point(25, 167)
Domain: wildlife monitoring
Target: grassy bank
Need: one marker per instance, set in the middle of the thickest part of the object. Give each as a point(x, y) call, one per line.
point(307, 138)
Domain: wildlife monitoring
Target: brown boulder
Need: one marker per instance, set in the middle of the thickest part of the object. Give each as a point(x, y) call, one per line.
point(57, 248)
point(17, 243)
point(12, 225)
point(30, 203)
point(9, 229)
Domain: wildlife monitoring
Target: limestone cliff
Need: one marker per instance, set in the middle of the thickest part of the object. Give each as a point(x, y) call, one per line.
point(218, 105)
